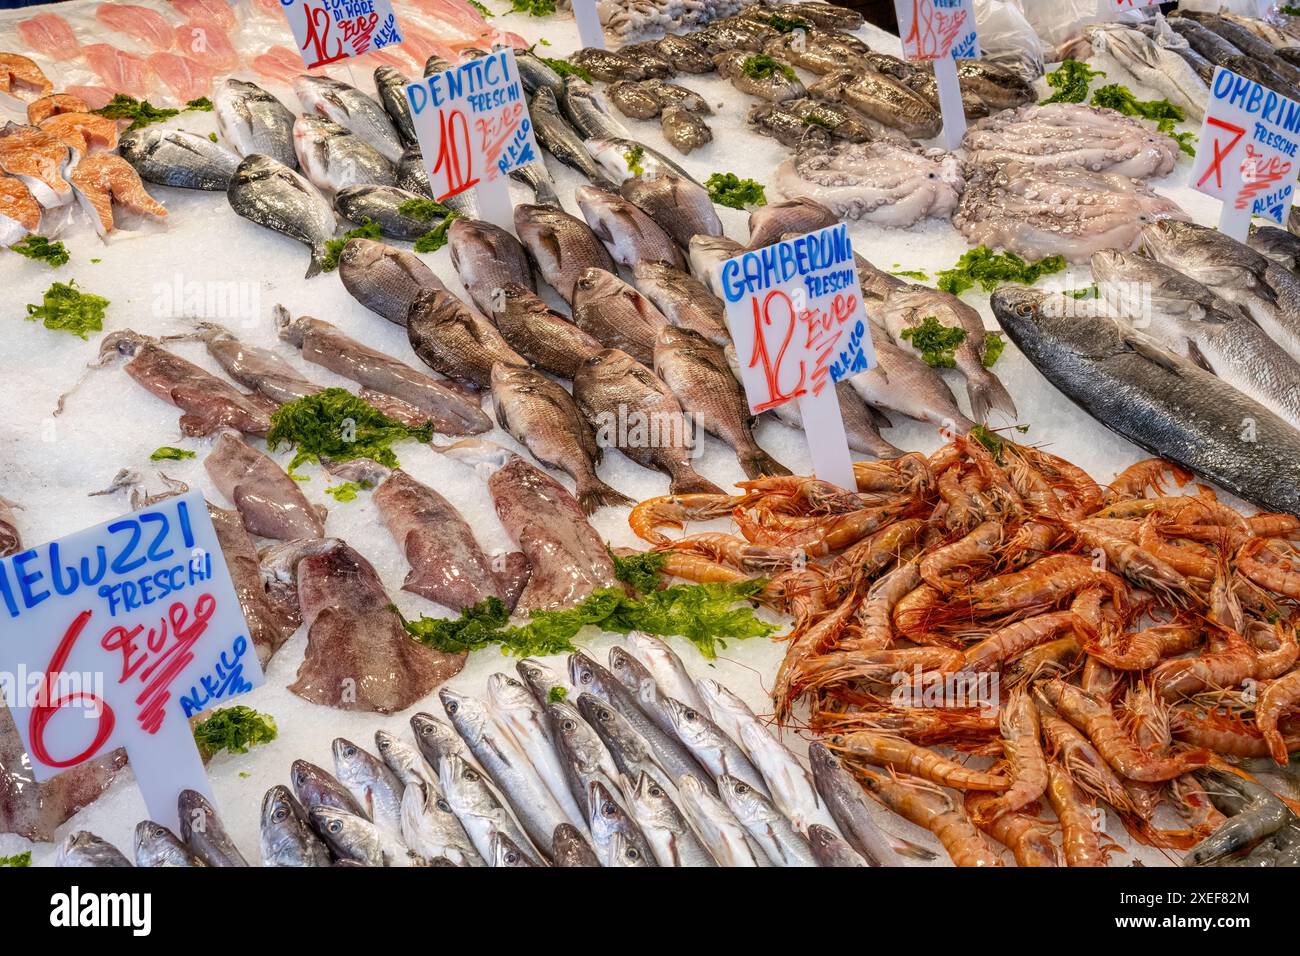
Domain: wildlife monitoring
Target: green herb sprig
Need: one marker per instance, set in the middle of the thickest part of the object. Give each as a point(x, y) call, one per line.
point(235, 729)
point(936, 342)
point(38, 247)
point(347, 490)
point(728, 189)
point(369, 229)
point(1070, 80)
point(337, 425)
point(760, 66)
point(18, 859)
point(534, 8)
point(142, 113)
point(988, 269)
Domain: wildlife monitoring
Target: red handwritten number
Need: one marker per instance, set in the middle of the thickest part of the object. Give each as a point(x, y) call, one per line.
point(1216, 164)
point(318, 29)
point(46, 708)
point(454, 157)
point(760, 356)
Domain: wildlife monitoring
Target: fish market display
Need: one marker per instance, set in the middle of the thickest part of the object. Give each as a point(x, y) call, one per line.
point(181, 159)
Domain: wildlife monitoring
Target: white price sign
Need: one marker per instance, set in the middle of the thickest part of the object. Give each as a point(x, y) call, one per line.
point(328, 31)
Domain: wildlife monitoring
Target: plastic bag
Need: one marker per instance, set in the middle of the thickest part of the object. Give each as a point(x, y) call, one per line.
point(1245, 8)
point(1057, 21)
point(1007, 39)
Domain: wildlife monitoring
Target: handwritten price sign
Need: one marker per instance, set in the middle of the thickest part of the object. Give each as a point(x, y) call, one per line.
point(936, 29)
point(115, 636)
point(1246, 155)
point(796, 317)
point(472, 123)
point(1119, 6)
point(331, 30)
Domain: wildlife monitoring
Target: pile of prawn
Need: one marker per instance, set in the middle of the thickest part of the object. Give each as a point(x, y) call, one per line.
point(1113, 649)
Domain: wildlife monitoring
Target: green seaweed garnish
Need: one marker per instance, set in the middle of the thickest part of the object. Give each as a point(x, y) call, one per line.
point(988, 269)
point(237, 729)
point(1087, 292)
point(565, 68)
point(142, 113)
point(213, 137)
point(990, 440)
point(1120, 98)
point(760, 66)
point(557, 694)
point(1070, 80)
point(339, 426)
point(423, 209)
point(171, 453)
point(642, 570)
point(66, 308)
point(936, 342)
point(436, 238)
point(911, 274)
point(38, 247)
point(994, 344)
point(534, 8)
point(728, 189)
point(369, 229)
point(633, 158)
point(18, 859)
point(483, 11)
point(202, 105)
point(347, 490)
point(782, 24)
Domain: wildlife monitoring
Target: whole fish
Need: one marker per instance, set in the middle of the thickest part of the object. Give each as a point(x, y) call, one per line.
point(670, 837)
point(254, 122)
point(507, 765)
point(455, 341)
point(707, 254)
point(155, 845)
point(442, 402)
point(487, 258)
point(382, 203)
point(368, 779)
point(607, 65)
point(1235, 271)
point(259, 369)
point(536, 74)
point(561, 140)
point(543, 683)
point(1190, 320)
point(623, 159)
point(540, 334)
point(696, 371)
point(507, 853)
point(631, 754)
point(684, 130)
point(287, 836)
point(355, 838)
point(435, 64)
point(641, 684)
point(767, 826)
point(684, 54)
point(769, 223)
point(665, 667)
point(1155, 64)
point(203, 832)
point(448, 566)
point(903, 383)
point(628, 233)
point(269, 193)
point(411, 172)
point(570, 848)
point(1155, 399)
point(391, 85)
point(543, 417)
point(615, 315)
point(685, 301)
point(717, 827)
point(561, 246)
point(681, 207)
point(848, 804)
point(333, 158)
point(353, 110)
point(588, 676)
point(535, 177)
point(583, 755)
point(477, 808)
point(315, 787)
point(587, 110)
point(791, 785)
point(84, 849)
point(1280, 245)
point(568, 558)
point(830, 849)
point(406, 762)
point(173, 157)
point(437, 739)
point(617, 839)
point(711, 747)
point(1247, 42)
point(270, 502)
point(431, 829)
point(512, 706)
point(384, 279)
point(767, 78)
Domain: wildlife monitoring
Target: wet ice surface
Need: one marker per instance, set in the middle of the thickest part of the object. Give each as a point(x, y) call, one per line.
point(49, 464)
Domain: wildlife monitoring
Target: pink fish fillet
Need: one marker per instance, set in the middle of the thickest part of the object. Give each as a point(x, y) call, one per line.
point(104, 178)
point(84, 132)
point(20, 76)
point(208, 44)
point(122, 72)
point(95, 97)
point(279, 63)
point(39, 159)
point(49, 34)
point(20, 213)
point(140, 23)
point(186, 78)
point(207, 11)
point(53, 105)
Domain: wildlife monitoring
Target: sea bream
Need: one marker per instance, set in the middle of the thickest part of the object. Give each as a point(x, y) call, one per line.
point(486, 258)
point(560, 246)
point(616, 315)
point(333, 158)
point(455, 341)
point(254, 122)
point(686, 302)
point(385, 205)
point(628, 233)
point(353, 110)
point(173, 157)
point(269, 193)
point(384, 279)
point(681, 207)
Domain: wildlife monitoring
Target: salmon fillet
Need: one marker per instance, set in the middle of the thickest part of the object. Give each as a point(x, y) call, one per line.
point(19, 75)
point(20, 213)
point(104, 178)
point(54, 104)
point(83, 131)
point(39, 160)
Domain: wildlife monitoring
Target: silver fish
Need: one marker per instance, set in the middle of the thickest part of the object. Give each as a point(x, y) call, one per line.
point(622, 159)
point(630, 753)
point(768, 827)
point(790, 783)
point(254, 121)
point(173, 157)
point(412, 174)
point(269, 193)
point(203, 832)
point(431, 829)
point(903, 383)
point(368, 779)
point(685, 301)
point(536, 74)
point(82, 848)
point(681, 207)
point(587, 110)
point(535, 177)
point(355, 838)
point(315, 787)
point(711, 747)
point(670, 837)
point(583, 755)
point(717, 827)
point(477, 808)
point(561, 140)
point(561, 246)
point(507, 853)
point(391, 85)
point(287, 836)
point(616, 315)
point(543, 683)
point(628, 233)
point(830, 849)
point(382, 203)
point(353, 110)
point(155, 845)
point(438, 739)
point(384, 279)
point(487, 258)
point(406, 762)
point(333, 158)
point(641, 684)
point(617, 839)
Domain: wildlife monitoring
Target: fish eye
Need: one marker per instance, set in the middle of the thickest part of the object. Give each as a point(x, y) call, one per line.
point(742, 788)
point(633, 853)
point(280, 814)
point(586, 677)
point(608, 808)
point(452, 707)
point(383, 743)
point(471, 774)
point(511, 682)
point(1024, 310)
point(604, 716)
point(349, 751)
point(443, 805)
point(690, 714)
point(570, 725)
point(656, 791)
point(335, 826)
point(511, 857)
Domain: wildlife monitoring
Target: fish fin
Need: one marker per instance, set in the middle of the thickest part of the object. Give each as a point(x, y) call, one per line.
point(597, 494)
point(1153, 352)
point(986, 393)
point(317, 260)
point(879, 417)
point(688, 482)
point(1197, 356)
point(757, 463)
point(909, 849)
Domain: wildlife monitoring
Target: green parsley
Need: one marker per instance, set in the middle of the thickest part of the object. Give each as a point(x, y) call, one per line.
point(236, 729)
point(1289, 10)
point(1070, 80)
point(994, 343)
point(202, 105)
point(369, 229)
point(760, 66)
point(633, 158)
point(557, 694)
point(436, 238)
point(728, 189)
point(423, 209)
point(38, 247)
point(641, 571)
point(484, 12)
point(990, 269)
point(95, 262)
point(169, 453)
point(564, 67)
point(534, 8)
point(337, 425)
point(213, 137)
point(18, 859)
point(347, 491)
point(936, 342)
point(67, 308)
point(911, 274)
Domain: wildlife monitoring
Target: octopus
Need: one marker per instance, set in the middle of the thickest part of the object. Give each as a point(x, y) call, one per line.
point(1060, 135)
point(882, 182)
point(359, 656)
point(1039, 211)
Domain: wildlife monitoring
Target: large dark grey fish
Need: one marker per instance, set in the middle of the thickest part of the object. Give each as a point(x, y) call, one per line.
point(287, 836)
point(391, 86)
point(487, 259)
point(681, 207)
point(254, 121)
point(383, 204)
point(560, 139)
point(385, 279)
point(540, 334)
point(1163, 403)
point(536, 74)
point(1222, 53)
point(561, 246)
point(173, 157)
point(203, 832)
point(266, 191)
point(455, 341)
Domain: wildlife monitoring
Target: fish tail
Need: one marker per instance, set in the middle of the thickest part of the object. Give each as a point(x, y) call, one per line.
point(757, 463)
point(986, 393)
point(317, 260)
point(912, 850)
point(595, 494)
point(687, 481)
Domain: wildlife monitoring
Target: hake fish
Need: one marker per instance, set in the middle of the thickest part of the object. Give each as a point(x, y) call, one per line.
point(583, 754)
point(368, 778)
point(477, 808)
point(1163, 403)
point(561, 140)
point(617, 839)
point(157, 846)
point(269, 193)
point(286, 834)
point(204, 833)
point(666, 831)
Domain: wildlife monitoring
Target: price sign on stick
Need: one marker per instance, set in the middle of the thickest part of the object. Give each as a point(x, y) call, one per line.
point(331, 30)
point(796, 316)
point(473, 126)
point(942, 31)
point(1246, 153)
point(115, 636)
